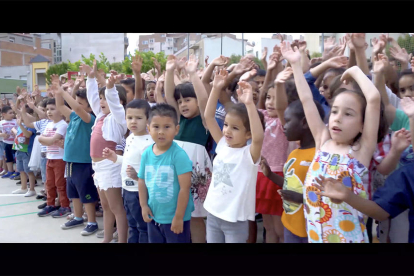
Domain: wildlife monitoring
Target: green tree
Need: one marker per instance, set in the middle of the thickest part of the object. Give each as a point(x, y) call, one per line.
point(236, 59)
point(316, 55)
point(58, 69)
point(406, 42)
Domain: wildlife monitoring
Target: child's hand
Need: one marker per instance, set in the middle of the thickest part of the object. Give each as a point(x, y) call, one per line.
point(110, 82)
point(332, 188)
point(302, 46)
point(171, 63)
point(177, 225)
point(157, 65)
point(407, 105)
point(291, 55)
point(349, 73)
point(338, 61)
point(147, 214)
point(380, 63)
point(191, 65)
point(220, 61)
point(264, 166)
point(132, 173)
point(283, 76)
point(60, 143)
point(378, 44)
point(291, 196)
point(400, 140)
point(400, 54)
point(181, 63)
point(358, 40)
point(245, 93)
point(136, 64)
point(264, 54)
point(109, 154)
point(220, 79)
point(244, 65)
point(248, 75)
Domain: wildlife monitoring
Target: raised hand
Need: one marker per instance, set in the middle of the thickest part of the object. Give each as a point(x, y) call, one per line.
point(157, 65)
point(342, 44)
point(84, 68)
point(349, 74)
point(30, 102)
point(315, 60)
point(18, 90)
point(407, 105)
point(131, 173)
point(245, 93)
point(358, 40)
point(280, 37)
point(244, 65)
point(220, 79)
point(109, 154)
point(181, 63)
point(329, 43)
point(332, 188)
point(171, 63)
point(401, 139)
point(302, 46)
point(136, 64)
point(220, 61)
point(400, 54)
point(264, 166)
point(331, 52)
point(191, 65)
point(264, 54)
point(283, 76)
point(110, 82)
point(380, 63)
point(79, 79)
point(291, 55)
point(378, 44)
point(248, 75)
point(206, 61)
point(339, 61)
point(274, 59)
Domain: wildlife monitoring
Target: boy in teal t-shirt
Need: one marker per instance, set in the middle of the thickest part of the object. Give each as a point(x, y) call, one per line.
point(165, 180)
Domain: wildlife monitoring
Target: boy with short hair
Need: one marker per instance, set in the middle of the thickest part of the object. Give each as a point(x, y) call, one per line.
point(165, 180)
point(55, 167)
point(8, 123)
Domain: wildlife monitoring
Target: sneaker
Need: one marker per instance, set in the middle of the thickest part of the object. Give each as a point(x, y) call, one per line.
point(7, 175)
point(100, 234)
point(40, 196)
point(3, 173)
point(41, 206)
point(70, 216)
point(72, 224)
point(115, 237)
point(30, 193)
point(19, 192)
point(89, 229)
point(14, 175)
point(45, 198)
point(61, 212)
point(46, 211)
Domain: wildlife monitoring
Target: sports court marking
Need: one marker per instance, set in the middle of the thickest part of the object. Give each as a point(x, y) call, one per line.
point(19, 215)
point(19, 202)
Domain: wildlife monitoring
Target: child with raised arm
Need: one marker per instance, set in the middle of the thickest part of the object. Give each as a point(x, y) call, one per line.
point(230, 200)
point(344, 151)
point(7, 124)
point(108, 131)
point(165, 181)
point(80, 186)
point(137, 112)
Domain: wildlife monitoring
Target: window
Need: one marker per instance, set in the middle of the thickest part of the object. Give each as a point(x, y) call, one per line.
point(162, 43)
point(11, 39)
point(145, 42)
point(7, 77)
point(163, 35)
point(162, 51)
point(151, 40)
point(169, 39)
point(169, 48)
point(151, 49)
point(175, 48)
point(23, 77)
point(146, 50)
point(46, 46)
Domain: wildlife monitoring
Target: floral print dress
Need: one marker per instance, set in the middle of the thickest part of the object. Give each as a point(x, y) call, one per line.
point(329, 220)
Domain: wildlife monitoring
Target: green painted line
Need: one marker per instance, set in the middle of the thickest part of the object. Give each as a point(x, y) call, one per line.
point(19, 215)
point(19, 202)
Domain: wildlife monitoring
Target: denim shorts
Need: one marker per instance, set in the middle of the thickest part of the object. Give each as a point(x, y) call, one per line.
point(22, 161)
point(1, 149)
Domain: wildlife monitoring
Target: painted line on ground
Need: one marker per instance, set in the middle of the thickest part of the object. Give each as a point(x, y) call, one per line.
point(19, 215)
point(18, 195)
point(20, 202)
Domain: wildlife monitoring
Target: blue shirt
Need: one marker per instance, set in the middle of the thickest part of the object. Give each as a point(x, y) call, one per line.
point(317, 95)
point(160, 173)
point(397, 195)
point(78, 140)
point(220, 116)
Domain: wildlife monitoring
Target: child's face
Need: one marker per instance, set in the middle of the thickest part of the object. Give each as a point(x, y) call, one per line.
point(293, 125)
point(406, 86)
point(129, 93)
point(324, 88)
point(104, 105)
point(234, 131)
point(53, 113)
point(188, 107)
point(259, 80)
point(136, 121)
point(345, 120)
point(256, 92)
point(163, 130)
point(9, 115)
point(84, 104)
point(151, 92)
point(270, 102)
point(43, 109)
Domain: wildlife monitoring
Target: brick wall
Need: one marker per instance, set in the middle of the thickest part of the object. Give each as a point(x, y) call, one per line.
point(13, 54)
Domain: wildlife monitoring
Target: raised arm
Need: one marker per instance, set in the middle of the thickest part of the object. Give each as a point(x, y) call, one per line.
point(206, 79)
point(315, 122)
point(158, 89)
point(114, 104)
point(85, 116)
point(281, 100)
point(245, 94)
point(400, 140)
point(358, 40)
point(92, 90)
point(263, 59)
point(169, 83)
point(304, 61)
point(60, 104)
point(136, 66)
point(274, 66)
point(407, 105)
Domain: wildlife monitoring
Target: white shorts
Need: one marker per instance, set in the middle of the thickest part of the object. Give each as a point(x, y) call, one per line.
point(199, 211)
point(107, 174)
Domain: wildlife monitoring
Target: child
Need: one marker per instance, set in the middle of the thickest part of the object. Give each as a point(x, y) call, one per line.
point(108, 131)
point(296, 128)
point(230, 200)
point(129, 85)
point(7, 124)
point(344, 150)
point(189, 100)
point(150, 93)
point(165, 181)
point(137, 112)
point(80, 186)
point(23, 144)
point(55, 166)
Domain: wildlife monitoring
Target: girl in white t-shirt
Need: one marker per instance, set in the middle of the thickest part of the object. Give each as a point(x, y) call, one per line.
point(230, 199)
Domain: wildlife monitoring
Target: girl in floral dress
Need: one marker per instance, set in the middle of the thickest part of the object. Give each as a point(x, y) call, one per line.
point(344, 150)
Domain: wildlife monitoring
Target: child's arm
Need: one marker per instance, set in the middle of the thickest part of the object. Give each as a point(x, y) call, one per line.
point(372, 112)
point(316, 124)
point(49, 141)
point(281, 100)
point(200, 91)
point(143, 191)
point(169, 83)
point(27, 133)
point(273, 68)
point(407, 104)
point(40, 113)
point(358, 41)
point(210, 112)
point(400, 140)
point(112, 98)
point(182, 202)
point(304, 57)
point(60, 104)
point(206, 79)
point(292, 196)
point(334, 189)
point(136, 66)
point(158, 88)
point(275, 178)
point(27, 120)
point(85, 116)
point(92, 91)
point(245, 94)
point(335, 62)
point(111, 155)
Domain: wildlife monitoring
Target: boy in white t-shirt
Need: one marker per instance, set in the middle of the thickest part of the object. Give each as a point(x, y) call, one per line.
point(8, 123)
point(55, 167)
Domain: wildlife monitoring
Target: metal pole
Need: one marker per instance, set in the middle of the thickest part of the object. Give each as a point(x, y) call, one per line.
point(221, 51)
point(242, 44)
point(322, 47)
point(188, 46)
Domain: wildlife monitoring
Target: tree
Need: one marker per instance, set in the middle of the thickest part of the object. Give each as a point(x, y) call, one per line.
point(236, 59)
point(406, 42)
point(316, 55)
point(58, 69)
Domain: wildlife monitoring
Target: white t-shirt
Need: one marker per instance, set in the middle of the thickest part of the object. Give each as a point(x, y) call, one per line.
point(6, 128)
point(40, 126)
point(55, 152)
point(135, 146)
point(232, 193)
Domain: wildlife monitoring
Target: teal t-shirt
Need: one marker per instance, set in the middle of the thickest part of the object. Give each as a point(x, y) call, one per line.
point(401, 120)
point(160, 173)
point(78, 140)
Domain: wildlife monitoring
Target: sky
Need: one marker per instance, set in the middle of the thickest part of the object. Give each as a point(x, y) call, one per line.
point(256, 37)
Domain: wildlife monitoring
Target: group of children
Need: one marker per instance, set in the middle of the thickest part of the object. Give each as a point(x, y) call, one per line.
point(194, 156)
